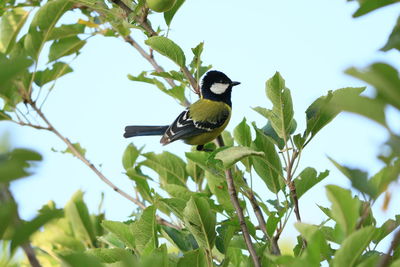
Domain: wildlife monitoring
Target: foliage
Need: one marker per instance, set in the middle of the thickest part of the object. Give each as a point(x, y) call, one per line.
point(190, 218)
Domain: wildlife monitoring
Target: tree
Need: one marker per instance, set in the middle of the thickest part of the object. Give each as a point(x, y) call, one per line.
point(202, 204)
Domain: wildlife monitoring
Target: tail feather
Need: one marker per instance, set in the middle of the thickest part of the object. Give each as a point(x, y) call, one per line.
point(134, 130)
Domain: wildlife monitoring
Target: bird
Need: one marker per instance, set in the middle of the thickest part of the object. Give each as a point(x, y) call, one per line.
point(202, 121)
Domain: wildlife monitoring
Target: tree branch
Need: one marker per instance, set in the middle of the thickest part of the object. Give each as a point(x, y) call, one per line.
point(143, 22)
point(242, 222)
point(386, 258)
point(77, 154)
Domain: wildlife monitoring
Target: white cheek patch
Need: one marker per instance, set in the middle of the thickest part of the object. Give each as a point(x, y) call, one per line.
point(219, 88)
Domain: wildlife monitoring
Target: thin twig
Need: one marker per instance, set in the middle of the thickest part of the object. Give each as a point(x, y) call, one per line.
point(77, 154)
point(386, 258)
point(147, 27)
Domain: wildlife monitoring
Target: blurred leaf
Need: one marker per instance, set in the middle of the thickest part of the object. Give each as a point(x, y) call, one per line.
point(318, 113)
point(170, 168)
point(122, 231)
point(80, 260)
point(78, 147)
point(4, 116)
point(384, 78)
point(130, 156)
point(142, 185)
point(51, 74)
point(175, 205)
point(231, 155)
point(299, 141)
point(167, 48)
point(386, 228)
point(145, 231)
point(281, 115)
point(195, 171)
point(158, 257)
point(14, 164)
point(381, 180)
point(24, 231)
point(352, 247)
point(65, 47)
point(65, 31)
point(268, 168)
point(42, 25)
point(394, 39)
point(317, 247)
point(373, 109)
point(307, 179)
point(367, 6)
point(8, 213)
point(178, 191)
point(77, 214)
point(195, 258)
point(345, 208)
point(224, 237)
point(10, 25)
point(200, 220)
point(110, 255)
point(168, 16)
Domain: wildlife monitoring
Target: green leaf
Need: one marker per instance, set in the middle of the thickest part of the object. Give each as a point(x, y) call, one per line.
point(175, 205)
point(170, 168)
point(384, 78)
point(24, 231)
point(110, 255)
point(386, 228)
point(381, 180)
point(269, 168)
point(178, 191)
point(77, 214)
point(167, 48)
point(4, 116)
point(200, 220)
point(281, 115)
point(231, 155)
point(367, 6)
point(65, 31)
point(52, 74)
point(225, 235)
point(122, 231)
point(43, 24)
point(145, 231)
point(10, 70)
point(352, 247)
point(181, 239)
point(78, 147)
point(195, 258)
point(130, 156)
point(14, 164)
point(10, 25)
point(158, 257)
point(219, 188)
point(169, 15)
point(307, 179)
point(80, 260)
point(345, 208)
point(318, 113)
point(269, 131)
point(242, 133)
point(142, 185)
point(65, 47)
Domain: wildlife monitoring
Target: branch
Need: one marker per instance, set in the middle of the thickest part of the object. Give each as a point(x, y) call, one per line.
point(242, 222)
point(147, 27)
point(385, 261)
point(77, 154)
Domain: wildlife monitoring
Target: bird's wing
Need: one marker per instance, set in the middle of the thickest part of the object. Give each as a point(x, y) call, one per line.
point(185, 126)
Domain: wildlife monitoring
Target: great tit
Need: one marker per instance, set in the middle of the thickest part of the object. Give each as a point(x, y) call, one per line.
point(202, 121)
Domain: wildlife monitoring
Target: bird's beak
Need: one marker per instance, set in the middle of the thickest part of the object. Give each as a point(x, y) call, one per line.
point(235, 83)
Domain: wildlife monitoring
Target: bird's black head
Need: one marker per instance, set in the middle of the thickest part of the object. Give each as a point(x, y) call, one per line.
point(217, 86)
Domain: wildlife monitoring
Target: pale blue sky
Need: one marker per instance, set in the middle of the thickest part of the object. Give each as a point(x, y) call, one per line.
point(309, 42)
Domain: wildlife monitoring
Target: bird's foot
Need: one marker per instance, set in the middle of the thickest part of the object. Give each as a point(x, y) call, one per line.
point(202, 148)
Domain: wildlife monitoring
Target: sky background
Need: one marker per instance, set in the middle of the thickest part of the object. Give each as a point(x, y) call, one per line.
point(310, 42)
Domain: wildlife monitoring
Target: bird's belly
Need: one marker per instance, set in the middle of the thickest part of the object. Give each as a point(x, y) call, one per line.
point(204, 138)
